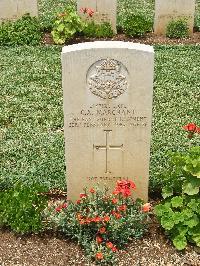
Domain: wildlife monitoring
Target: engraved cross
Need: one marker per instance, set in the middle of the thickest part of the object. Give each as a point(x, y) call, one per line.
point(107, 147)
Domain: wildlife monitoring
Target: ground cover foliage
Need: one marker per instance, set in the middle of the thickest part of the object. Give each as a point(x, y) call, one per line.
point(31, 114)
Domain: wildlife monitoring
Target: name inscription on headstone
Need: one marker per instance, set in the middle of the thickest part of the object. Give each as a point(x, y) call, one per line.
point(104, 115)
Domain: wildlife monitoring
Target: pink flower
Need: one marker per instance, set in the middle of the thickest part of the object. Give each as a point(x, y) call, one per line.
point(146, 207)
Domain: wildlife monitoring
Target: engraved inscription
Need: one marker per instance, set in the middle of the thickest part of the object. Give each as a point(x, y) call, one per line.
point(106, 116)
point(107, 147)
point(107, 78)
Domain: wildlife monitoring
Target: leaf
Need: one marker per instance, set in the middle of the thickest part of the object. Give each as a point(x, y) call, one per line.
point(190, 188)
point(194, 204)
point(177, 202)
point(167, 222)
point(180, 242)
point(167, 192)
point(196, 239)
point(161, 209)
point(192, 222)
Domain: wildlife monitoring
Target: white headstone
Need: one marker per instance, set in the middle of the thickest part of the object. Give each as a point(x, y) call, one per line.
point(14, 9)
point(104, 10)
point(107, 113)
point(167, 10)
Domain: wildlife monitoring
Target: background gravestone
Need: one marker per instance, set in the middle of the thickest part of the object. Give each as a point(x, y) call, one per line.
point(166, 10)
point(104, 10)
point(14, 9)
point(107, 111)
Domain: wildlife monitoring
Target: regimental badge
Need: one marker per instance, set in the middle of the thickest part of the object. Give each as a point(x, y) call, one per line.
point(107, 78)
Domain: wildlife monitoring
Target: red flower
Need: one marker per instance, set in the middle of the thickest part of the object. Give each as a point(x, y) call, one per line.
point(109, 245)
point(92, 190)
point(146, 207)
point(83, 196)
point(99, 239)
point(64, 206)
point(113, 212)
point(58, 209)
point(114, 201)
point(122, 208)
point(78, 201)
point(191, 127)
point(106, 219)
point(117, 215)
point(96, 219)
point(114, 249)
point(82, 221)
point(90, 12)
point(102, 230)
point(124, 187)
point(99, 256)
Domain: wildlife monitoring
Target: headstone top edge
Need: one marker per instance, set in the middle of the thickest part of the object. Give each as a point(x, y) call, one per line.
point(107, 44)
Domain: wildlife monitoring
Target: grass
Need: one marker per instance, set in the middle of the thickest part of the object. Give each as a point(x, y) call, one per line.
point(31, 115)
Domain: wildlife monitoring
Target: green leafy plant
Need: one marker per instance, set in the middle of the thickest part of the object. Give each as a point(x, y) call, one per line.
point(21, 207)
point(98, 30)
point(66, 26)
point(136, 25)
point(101, 223)
point(179, 213)
point(177, 29)
point(25, 31)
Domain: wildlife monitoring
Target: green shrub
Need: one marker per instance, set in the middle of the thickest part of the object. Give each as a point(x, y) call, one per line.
point(179, 213)
point(101, 223)
point(48, 10)
point(136, 25)
point(21, 207)
point(66, 26)
point(98, 30)
point(177, 29)
point(25, 31)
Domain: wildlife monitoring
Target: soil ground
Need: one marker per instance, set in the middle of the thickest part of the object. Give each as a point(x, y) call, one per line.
point(48, 249)
point(149, 38)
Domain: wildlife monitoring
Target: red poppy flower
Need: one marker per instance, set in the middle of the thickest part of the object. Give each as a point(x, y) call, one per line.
point(102, 230)
point(146, 207)
point(78, 201)
point(99, 239)
point(92, 190)
point(99, 256)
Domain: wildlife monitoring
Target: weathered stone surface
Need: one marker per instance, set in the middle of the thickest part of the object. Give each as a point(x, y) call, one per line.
point(14, 9)
point(167, 10)
point(104, 10)
point(107, 111)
